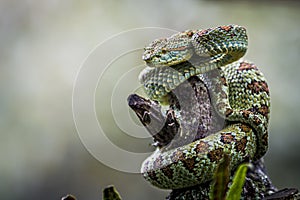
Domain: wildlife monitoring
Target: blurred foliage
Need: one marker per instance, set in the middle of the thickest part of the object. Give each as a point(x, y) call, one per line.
point(220, 188)
point(43, 44)
point(111, 193)
point(235, 190)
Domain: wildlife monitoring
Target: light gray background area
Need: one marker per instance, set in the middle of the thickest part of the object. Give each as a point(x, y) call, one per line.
point(43, 45)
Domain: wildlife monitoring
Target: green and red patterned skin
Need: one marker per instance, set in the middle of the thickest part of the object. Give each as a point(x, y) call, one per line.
point(239, 94)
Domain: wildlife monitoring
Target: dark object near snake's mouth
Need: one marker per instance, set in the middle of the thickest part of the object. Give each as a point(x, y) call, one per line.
point(141, 107)
point(163, 128)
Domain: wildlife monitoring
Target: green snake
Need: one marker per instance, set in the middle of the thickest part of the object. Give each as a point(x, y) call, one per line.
point(239, 94)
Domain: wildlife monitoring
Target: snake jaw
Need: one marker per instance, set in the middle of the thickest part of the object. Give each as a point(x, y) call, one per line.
point(169, 51)
point(169, 58)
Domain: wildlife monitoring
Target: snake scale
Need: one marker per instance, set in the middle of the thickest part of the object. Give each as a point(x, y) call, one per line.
point(238, 92)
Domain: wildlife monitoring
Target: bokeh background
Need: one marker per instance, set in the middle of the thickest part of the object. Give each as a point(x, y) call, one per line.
point(43, 44)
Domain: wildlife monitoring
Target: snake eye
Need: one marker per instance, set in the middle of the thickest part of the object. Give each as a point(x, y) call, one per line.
point(163, 51)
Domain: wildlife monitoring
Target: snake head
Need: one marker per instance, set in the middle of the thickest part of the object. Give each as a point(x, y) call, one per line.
point(169, 51)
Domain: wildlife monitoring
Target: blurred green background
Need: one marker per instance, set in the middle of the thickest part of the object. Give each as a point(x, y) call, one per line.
point(43, 44)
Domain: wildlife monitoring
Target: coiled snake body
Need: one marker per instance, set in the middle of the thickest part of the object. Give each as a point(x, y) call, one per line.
point(238, 92)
